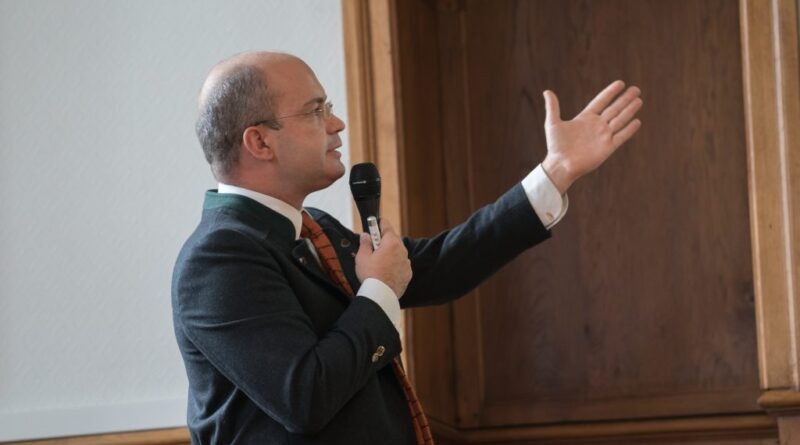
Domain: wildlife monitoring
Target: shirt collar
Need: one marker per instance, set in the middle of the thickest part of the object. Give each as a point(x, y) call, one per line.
point(274, 204)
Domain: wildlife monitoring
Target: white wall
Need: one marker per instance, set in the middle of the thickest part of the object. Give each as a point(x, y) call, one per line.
point(101, 180)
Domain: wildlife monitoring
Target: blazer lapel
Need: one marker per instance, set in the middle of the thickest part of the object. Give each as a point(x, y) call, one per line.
point(304, 258)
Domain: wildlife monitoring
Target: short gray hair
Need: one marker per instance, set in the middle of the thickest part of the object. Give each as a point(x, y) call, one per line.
point(237, 100)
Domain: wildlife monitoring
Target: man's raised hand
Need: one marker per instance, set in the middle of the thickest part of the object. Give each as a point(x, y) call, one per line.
point(578, 146)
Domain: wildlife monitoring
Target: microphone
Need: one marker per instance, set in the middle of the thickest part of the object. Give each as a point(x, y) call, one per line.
point(365, 184)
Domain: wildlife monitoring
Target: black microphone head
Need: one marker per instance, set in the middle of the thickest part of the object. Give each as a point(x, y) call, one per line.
point(365, 181)
point(365, 184)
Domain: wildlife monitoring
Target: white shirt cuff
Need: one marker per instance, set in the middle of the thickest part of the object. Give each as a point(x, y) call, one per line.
point(377, 291)
point(543, 195)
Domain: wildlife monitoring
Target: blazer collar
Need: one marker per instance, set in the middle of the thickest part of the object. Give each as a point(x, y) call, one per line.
point(294, 215)
point(275, 226)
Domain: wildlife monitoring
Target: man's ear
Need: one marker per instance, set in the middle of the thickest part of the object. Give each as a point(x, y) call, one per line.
point(258, 142)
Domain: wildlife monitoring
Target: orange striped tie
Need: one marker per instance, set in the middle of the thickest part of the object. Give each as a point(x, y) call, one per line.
point(330, 262)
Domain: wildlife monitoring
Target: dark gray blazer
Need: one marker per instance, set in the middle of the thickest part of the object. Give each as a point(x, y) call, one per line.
point(277, 354)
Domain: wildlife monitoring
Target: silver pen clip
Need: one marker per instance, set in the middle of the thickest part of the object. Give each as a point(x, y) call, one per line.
point(374, 231)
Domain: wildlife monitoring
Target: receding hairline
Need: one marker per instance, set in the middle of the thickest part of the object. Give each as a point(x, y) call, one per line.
point(222, 70)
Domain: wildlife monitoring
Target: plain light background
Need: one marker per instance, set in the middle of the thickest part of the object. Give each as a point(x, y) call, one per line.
point(102, 179)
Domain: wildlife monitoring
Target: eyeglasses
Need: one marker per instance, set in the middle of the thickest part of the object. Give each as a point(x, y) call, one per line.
point(325, 111)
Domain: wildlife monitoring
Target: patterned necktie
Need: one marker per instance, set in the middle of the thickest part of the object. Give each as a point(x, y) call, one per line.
point(330, 262)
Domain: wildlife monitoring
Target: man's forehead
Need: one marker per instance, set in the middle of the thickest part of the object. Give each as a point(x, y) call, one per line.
point(294, 81)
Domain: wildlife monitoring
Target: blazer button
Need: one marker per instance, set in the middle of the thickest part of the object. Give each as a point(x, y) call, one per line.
point(344, 242)
point(378, 354)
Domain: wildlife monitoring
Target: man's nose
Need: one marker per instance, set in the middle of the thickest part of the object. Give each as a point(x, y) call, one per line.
point(334, 124)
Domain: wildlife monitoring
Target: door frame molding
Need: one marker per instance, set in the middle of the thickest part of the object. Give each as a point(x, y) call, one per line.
point(772, 103)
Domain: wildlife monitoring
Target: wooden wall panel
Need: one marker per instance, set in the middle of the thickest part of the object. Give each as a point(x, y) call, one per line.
point(642, 303)
point(429, 334)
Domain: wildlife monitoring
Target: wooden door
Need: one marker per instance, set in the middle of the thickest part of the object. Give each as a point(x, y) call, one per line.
point(637, 322)
point(642, 304)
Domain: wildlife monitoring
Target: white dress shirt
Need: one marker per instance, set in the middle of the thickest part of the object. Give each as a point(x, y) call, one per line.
point(548, 204)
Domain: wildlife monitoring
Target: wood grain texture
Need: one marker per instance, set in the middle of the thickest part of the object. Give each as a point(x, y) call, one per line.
point(172, 436)
point(771, 73)
point(789, 430)
point(374, 125)
point(642, 304)
point(428, 330)
point(728, 430)
point(374, 128)
point(458, 149)
point(671, 282)
point(780, 402)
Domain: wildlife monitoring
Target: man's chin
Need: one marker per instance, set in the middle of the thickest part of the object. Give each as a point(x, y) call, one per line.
point(332, 175)
point(339, 171)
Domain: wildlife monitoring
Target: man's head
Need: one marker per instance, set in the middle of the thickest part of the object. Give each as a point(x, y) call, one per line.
point(263, 124)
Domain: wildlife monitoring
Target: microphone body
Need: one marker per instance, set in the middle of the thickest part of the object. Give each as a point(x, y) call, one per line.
point(365, 184)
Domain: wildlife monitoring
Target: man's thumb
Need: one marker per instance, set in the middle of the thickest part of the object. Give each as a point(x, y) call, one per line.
point(365, 244)
point(551, 108)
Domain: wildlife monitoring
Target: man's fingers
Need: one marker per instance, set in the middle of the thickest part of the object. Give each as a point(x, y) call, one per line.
point(552, 109)
point(626, 133)
point(622, 101)
point(625, 116)
point(601, 101)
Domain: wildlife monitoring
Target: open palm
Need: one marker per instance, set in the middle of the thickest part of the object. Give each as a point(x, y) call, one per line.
point(578, 146)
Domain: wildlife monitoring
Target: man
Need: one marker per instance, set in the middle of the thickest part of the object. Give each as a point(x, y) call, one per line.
point(286, 320)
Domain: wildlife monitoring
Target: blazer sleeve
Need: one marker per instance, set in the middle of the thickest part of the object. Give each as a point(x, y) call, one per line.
point(455, 261)
point(236, 306)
